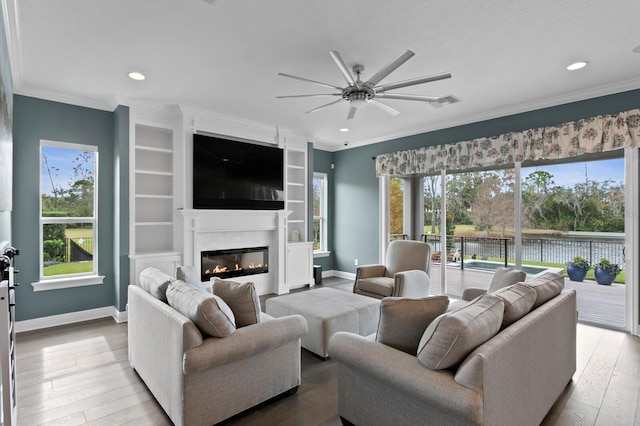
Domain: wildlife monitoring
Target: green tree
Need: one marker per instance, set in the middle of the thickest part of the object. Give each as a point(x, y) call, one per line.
point(461, 191)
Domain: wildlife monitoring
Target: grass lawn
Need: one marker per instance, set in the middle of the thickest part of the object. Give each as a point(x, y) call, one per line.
point(72, 267)
point(79, 233)
point(68, 268)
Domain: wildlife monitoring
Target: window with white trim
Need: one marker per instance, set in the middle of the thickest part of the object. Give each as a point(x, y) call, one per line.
point(320, 212)
point(68, 213)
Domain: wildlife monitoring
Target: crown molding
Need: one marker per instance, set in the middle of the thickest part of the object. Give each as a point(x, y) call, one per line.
point(67, 99)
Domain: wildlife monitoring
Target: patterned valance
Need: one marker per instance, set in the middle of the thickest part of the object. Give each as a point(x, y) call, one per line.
point(590, 135)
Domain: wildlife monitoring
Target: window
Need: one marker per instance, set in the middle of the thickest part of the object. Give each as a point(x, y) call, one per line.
point(319, 212)
point(68, 215)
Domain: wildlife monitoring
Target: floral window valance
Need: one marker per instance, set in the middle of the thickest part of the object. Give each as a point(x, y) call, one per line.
point(587, 136)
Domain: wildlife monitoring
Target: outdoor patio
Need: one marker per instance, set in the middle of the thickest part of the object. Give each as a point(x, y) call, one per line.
point(598, 305)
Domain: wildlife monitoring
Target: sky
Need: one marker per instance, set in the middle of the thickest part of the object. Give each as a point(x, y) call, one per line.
point(568, 175)
point(62, 159)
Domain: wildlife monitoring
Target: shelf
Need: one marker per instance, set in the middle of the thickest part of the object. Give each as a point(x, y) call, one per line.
point(153, 172)
point(154, 223)
point(167, 197)
point(291, 166)
point(295, 221)
point(154, 149)
point(295, 184)
point(295, 201)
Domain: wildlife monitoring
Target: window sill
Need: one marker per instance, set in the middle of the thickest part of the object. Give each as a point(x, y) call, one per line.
point(321, 253)
point(58, 283)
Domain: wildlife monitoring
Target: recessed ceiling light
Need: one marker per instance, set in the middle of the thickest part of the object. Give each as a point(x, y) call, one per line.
point(344, 130)
point(136, 76)
point(577, 65)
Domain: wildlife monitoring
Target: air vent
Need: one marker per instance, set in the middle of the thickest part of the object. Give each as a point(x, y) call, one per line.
point(448, 100)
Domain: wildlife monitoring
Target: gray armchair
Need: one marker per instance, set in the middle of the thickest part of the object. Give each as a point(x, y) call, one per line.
point(503, 277)
point(404, 274)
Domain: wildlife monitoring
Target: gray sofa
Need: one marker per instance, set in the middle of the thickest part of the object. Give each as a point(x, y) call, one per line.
point(201, 380)
point(513, 378)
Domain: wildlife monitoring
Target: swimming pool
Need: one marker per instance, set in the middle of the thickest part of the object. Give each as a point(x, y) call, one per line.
point(486, 265)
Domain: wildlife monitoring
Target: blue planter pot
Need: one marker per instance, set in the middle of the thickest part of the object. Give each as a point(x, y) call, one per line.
point(576, 273)
point(603, 277)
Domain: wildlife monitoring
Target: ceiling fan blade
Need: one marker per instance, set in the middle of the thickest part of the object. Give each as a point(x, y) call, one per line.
point(352, 112)
point(324, 106)
point(319, 95)
point(407, 97)
point(342, 67)
point(385, 107)
point(319, 83)
point(390, 67)
point(413, 82)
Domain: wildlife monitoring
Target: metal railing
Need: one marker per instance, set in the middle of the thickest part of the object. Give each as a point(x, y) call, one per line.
point(544, 250)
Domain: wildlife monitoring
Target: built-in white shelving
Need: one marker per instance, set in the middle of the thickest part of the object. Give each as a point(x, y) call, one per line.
point(152, 187)
point(296, 192)
point(299, 267)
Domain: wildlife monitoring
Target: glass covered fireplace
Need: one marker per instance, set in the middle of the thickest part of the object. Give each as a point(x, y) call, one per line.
point(234, 262)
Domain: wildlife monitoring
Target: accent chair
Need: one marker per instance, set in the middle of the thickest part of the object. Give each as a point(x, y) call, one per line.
point(404, 274)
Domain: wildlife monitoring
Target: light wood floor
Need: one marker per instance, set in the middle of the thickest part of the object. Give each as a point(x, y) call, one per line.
point(79, 374)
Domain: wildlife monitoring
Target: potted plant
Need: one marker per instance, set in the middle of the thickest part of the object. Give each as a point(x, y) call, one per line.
point(577, 269)
point(606, 271)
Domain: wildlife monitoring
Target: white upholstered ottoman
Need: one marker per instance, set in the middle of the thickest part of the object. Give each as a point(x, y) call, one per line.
point(327, 311)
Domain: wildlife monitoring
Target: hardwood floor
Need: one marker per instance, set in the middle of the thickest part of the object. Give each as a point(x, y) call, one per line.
point(80, 374)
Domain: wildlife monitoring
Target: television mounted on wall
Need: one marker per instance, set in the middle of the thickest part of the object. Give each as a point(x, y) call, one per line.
point(230, 174)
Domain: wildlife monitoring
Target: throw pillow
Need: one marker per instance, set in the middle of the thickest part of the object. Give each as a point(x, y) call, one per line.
point(403, 320)
point(547, 286)
point(504, 277)
point(452, 336)
point(155, 282)
point(518, 300)
point(189, 275)
point(241, 298)
point(208, 312)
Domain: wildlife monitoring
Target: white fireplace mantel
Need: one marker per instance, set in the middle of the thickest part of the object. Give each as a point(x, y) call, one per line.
point(227, 229)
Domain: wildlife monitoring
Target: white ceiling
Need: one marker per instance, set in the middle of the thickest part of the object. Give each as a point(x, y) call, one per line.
point(505, 56)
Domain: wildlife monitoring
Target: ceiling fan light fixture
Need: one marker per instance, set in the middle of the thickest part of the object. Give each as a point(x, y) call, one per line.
point(577, 65)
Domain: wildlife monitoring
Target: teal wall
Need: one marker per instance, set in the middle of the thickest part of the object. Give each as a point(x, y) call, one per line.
point(321, 161)
point(121, 206)
point(355, 218)
point(36, 119)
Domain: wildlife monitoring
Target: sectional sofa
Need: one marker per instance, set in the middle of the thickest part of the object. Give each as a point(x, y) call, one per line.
point(512, 378)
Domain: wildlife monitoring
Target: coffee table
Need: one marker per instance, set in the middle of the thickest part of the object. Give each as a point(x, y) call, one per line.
point(327, 311)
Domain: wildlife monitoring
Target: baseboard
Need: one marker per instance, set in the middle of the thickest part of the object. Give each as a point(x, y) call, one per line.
point(342, 274)
point(70, 318)
point(326, 274)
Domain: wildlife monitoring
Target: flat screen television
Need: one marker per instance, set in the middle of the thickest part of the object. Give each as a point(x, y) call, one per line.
point(229, 174)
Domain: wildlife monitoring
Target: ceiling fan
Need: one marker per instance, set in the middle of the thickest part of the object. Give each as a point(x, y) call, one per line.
point(359, 93)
